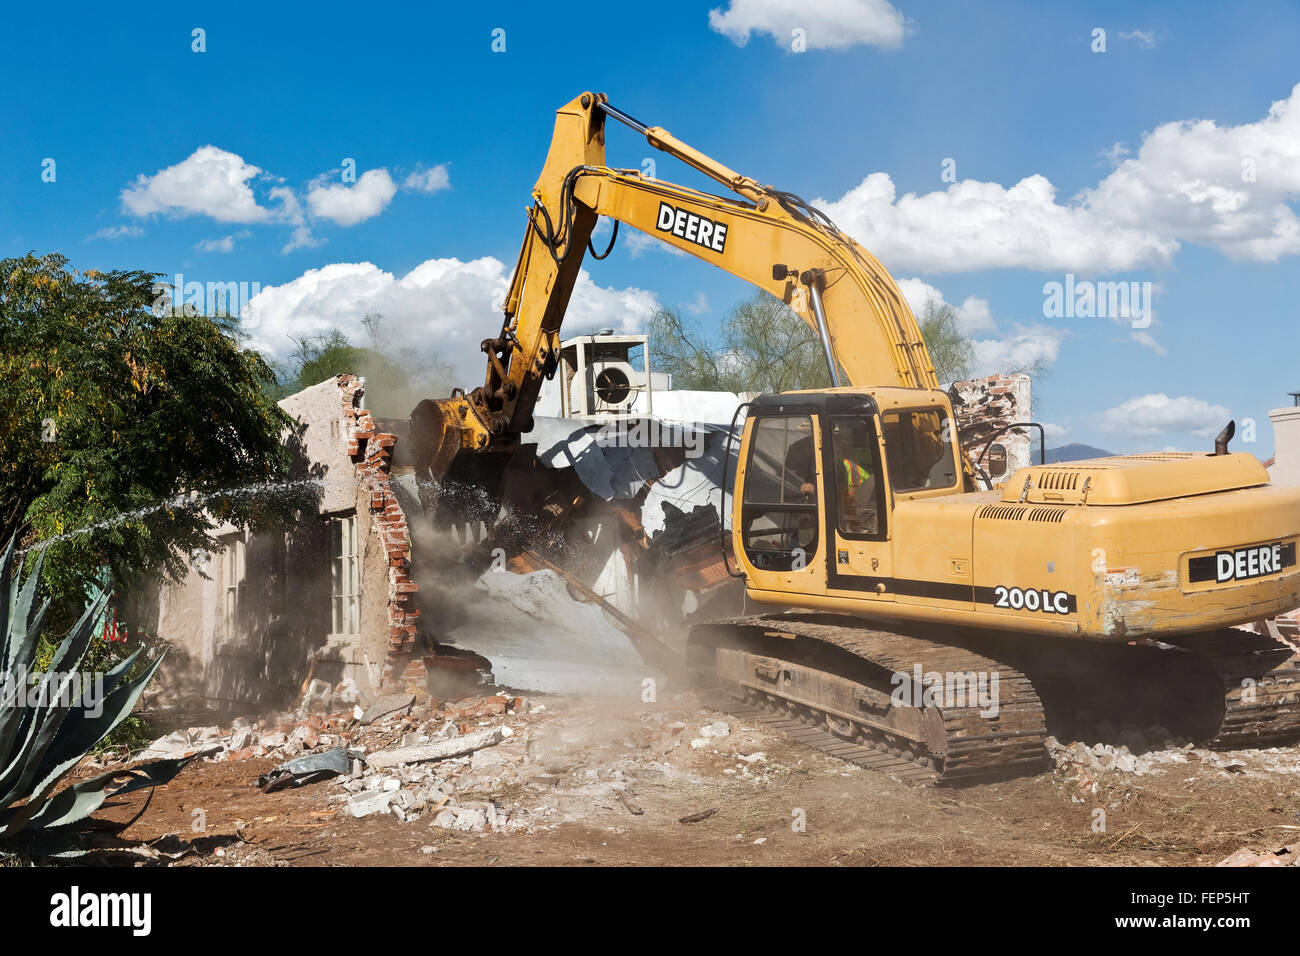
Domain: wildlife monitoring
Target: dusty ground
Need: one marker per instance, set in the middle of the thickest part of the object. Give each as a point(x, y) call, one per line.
point(556, 784)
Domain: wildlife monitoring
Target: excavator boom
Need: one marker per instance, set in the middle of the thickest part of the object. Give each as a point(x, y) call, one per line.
point(770, 238)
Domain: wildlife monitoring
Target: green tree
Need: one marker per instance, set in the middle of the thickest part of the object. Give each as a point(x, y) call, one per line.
point(333, 354)
point(764, 346)
point(681, 349)
point(951, 352)
point(393, 386)
point(114, 412)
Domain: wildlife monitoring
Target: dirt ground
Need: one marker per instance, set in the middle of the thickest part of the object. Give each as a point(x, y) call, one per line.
point(602, 781)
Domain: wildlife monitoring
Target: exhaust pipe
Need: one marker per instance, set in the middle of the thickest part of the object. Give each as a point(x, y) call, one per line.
point(1225, 436)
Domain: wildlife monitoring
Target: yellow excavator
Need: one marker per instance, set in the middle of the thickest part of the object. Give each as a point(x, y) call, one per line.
point(919, 622)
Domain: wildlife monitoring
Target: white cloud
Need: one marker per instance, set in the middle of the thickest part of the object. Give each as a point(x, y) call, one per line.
point(442, 307)
point(429, 180)
point(216, 183)
point(973, 315)
point(347, 205)
point(1145, 38)
point(698, 306)
point(115, 232)
point(302, 238)
point(1148, 416)
point(1026, 348)
point(974, 225)
point(1148, 341)
point(827, 24)
point(224, 244)
point(1055, 432)
point(210, 182)
point(1229, 187)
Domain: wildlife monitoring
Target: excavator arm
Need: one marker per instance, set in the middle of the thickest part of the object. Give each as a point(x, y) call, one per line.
point(770, 238)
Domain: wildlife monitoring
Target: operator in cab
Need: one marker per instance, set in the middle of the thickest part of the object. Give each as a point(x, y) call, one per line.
point(856, 479)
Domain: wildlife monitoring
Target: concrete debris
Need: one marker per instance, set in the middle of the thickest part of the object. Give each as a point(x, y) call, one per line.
point(438, 750)
point(716, 729)
point(369, 803)
point(1143, 759)
point(394, 704)
point(1283, 856)
point(318, 698)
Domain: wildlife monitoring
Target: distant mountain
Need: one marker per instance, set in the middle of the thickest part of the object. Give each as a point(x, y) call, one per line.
point(1075, 452)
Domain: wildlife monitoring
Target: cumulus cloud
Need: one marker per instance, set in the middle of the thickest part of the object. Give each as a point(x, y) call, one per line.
point(827, 24)
point(1228, 187)
point(348, 204)
point(215, 183)
point(974, 225)
point(973, 315)
point(1055, 432)
point(1024, 348)
point(1149, 416)
point(210, 182)
point(429, 180)
point(444, 306)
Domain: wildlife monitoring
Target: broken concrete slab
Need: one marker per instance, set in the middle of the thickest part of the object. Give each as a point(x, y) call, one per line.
point(384, 706)
point(370, 802)
point(437, 750)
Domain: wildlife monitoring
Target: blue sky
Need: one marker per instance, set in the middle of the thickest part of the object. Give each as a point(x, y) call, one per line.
point(1010, 92)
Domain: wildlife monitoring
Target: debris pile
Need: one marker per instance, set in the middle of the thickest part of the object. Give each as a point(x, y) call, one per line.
point(1140, 756)
point(1288, 855)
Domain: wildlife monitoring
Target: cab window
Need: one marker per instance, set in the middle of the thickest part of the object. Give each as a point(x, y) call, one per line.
point(855, 459)
point(919, 457)
point(779, 501)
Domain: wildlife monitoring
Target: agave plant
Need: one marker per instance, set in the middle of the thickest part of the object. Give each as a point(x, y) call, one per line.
point(48, 724)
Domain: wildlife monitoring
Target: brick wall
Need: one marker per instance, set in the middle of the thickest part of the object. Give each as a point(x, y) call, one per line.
point(984, 405)
point(371, 453)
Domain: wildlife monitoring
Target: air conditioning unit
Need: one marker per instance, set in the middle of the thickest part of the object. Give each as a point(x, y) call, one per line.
point(604, 376)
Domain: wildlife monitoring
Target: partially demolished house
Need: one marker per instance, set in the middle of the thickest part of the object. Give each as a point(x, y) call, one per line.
point(330, 597)
point(613, 524)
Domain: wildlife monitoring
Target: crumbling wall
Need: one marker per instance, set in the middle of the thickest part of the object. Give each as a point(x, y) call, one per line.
point(371, 451)
point(283, 633)
point(985, 405)
point(1285, 469)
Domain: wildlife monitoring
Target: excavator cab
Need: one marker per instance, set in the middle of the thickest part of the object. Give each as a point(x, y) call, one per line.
point(821, 470)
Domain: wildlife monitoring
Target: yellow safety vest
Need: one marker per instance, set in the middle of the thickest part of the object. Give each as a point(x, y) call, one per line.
point(855, 474)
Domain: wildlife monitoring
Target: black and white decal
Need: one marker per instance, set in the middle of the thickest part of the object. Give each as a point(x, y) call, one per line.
point(1033, 599)
point(687, 225)
point(1242, 564)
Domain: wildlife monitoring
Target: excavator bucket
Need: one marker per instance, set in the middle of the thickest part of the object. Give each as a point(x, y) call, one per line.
point(457, 484)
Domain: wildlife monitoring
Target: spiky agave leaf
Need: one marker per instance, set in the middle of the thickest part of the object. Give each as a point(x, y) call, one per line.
point(39, 744)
